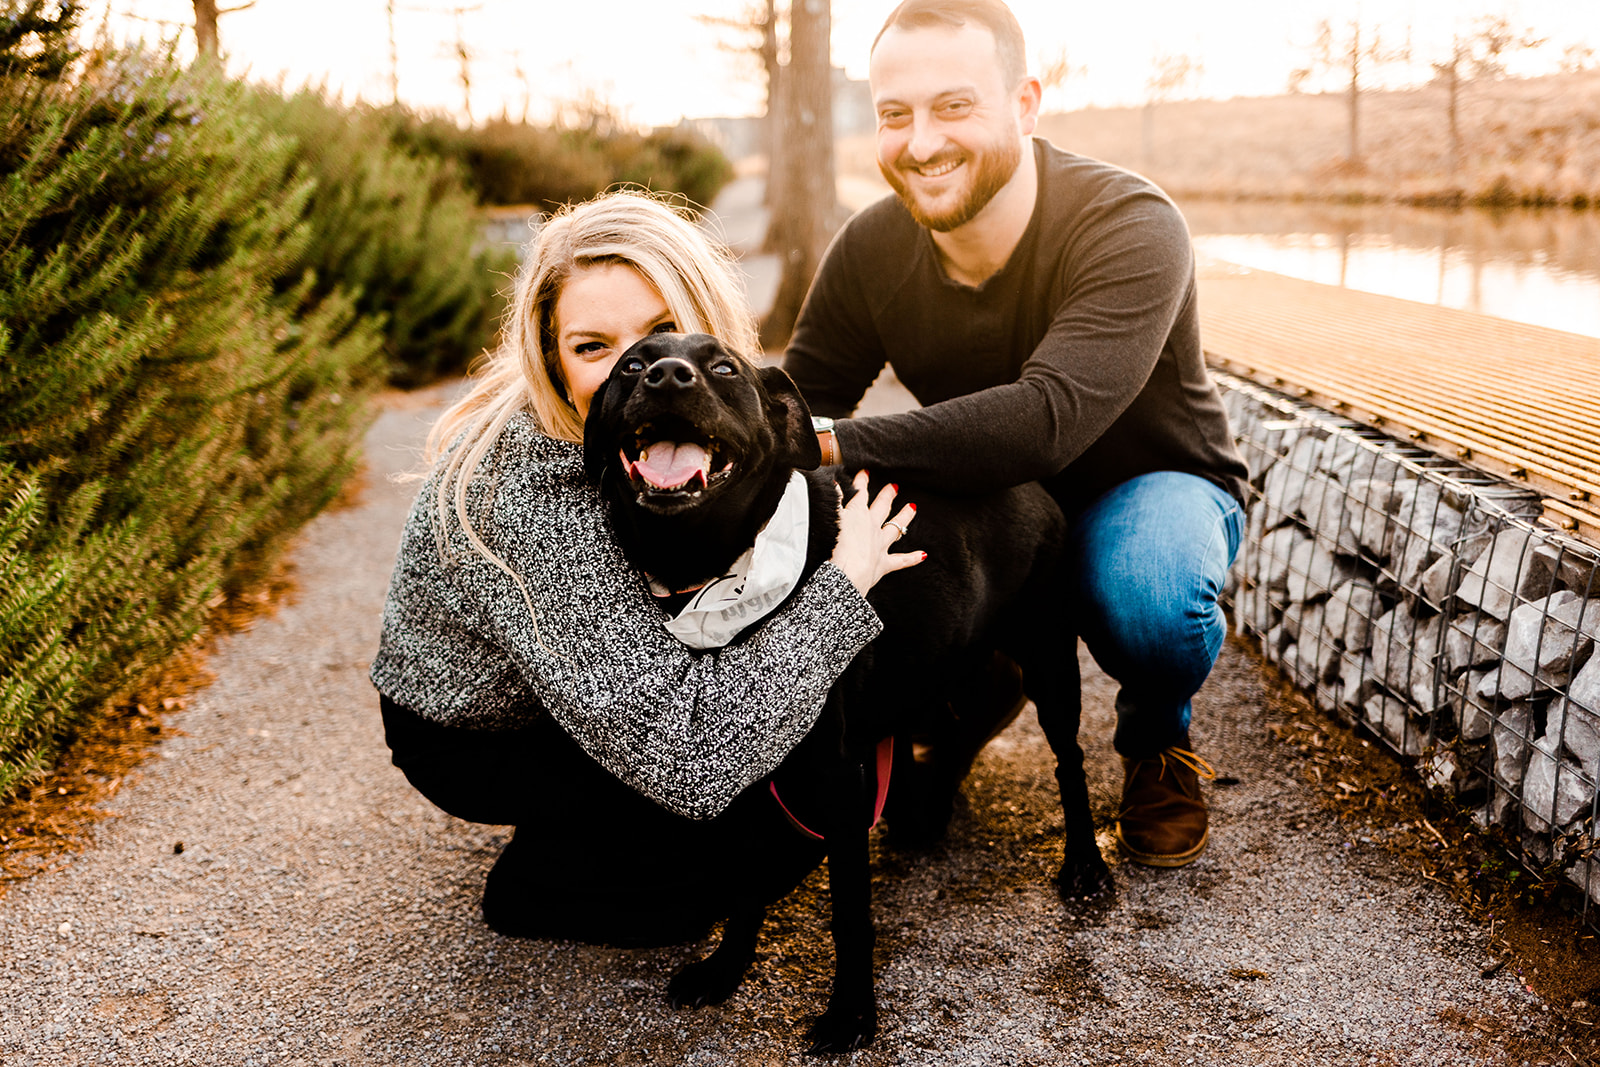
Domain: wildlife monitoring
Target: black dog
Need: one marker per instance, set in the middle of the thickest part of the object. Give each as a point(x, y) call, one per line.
point(694, 447)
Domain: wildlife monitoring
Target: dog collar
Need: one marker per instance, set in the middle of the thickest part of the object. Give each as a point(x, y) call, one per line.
point(759, 580)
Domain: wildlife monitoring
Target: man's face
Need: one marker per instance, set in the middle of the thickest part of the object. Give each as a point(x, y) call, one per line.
point(950, 131)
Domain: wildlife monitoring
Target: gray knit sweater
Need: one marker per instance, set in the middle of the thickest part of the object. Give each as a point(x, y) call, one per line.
point(689, 730)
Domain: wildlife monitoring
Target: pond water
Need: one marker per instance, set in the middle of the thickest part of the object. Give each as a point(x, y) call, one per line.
point(1538, 267)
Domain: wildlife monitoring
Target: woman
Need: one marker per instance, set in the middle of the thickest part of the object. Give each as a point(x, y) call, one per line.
point(526, 675)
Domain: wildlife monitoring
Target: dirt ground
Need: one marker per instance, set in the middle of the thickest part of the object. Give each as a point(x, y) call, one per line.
point(230, 873)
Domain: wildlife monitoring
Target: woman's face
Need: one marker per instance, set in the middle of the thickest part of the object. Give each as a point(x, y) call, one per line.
point(602, 310)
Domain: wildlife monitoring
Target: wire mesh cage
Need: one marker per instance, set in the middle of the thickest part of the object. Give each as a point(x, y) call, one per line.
point(1424, 601)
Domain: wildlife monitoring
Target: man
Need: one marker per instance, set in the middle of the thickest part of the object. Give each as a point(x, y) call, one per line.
point(1041, 306)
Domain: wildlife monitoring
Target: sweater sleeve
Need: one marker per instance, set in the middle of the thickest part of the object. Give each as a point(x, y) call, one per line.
point(1126, 283)
point(689, 730)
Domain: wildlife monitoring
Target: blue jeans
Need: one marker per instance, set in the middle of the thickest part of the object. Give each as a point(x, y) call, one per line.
point(1147, 561)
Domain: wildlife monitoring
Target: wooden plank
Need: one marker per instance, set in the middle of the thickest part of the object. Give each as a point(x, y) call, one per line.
point(1519, 401)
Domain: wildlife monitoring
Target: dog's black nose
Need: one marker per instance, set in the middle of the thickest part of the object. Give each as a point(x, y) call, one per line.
point(670, 373)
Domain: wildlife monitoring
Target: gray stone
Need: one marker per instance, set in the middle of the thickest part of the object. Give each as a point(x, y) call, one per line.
point(1473, 720)
point(1585, 874)
point(1473, 640)
point(1290, 664)
point(1514, 567)
point(1357, 685)
point(1348, 616)
point(1327, 507)
point(1392, 720)
point(1436, 582)
point(1338, 454)
point(1313, 571)
point(1371, 514)
point(1264, 613)
point(1328, 659)
point(1499, 811)
point(1545, 637)
point(1576, 732)
point(1576, 570)
point(1553, 793)
point(1392, 637)
point(1285, 482)
point(1256, 525)
point(1426, 526)
point(1512, 739)
point(1424, 653)
point(1274, 644)
point(1277, 549)
point(1300, 618)
point(1505, 682)
point(1585, 688)
point(1439, 771)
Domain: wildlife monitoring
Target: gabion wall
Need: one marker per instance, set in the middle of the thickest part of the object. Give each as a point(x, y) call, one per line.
point(1422, 599)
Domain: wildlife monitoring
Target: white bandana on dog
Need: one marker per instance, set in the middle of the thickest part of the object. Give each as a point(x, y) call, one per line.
point(758, 581)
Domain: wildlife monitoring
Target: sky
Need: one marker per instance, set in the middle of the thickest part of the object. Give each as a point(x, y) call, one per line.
point(653, 62)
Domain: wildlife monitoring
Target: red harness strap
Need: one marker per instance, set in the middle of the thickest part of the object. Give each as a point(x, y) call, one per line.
point(885, 764)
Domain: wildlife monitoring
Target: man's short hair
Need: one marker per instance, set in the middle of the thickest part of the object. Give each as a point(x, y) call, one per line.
point(992, 15)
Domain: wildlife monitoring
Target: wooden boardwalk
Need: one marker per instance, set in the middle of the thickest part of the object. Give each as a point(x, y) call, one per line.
point(1518, 401)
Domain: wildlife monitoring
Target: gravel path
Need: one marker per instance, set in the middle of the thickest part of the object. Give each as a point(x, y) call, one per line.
point(320, 912)
point(273, 892)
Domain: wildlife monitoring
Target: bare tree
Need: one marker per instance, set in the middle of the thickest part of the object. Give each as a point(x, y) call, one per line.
point(759, 33)
point(1169, 77)
point(206, 14)
point(394, 56)
point(1477, 55)
point(1353, 53)
point(1576, 58)
point(1056, 71)
point(804, 218)
point(464, 57)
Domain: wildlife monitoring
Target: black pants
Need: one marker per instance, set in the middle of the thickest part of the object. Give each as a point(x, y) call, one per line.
point(592, 860)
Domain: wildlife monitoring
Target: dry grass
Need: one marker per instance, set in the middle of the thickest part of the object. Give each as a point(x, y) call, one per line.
point(1524, 141)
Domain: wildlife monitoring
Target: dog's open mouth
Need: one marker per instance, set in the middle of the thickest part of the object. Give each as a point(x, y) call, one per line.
point(674, 458)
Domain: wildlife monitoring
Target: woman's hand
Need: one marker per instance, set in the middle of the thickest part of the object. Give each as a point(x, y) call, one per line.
point(866, 533)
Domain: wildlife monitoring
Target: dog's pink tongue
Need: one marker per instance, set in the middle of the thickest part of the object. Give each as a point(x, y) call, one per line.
point(668, 464)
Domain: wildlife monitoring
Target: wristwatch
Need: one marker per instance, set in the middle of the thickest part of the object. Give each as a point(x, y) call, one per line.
point(827, 439)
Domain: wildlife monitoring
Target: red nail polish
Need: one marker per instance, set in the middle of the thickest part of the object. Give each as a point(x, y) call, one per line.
point(894, 487)
point(924, 555)
point(913, 507)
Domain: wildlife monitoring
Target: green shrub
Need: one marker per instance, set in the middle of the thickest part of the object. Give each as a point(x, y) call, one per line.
point(177, 390)
point(518, 163)
point(396, 229)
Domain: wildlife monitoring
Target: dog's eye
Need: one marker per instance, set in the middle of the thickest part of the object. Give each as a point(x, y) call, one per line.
point(724, 369)
point(633, 365)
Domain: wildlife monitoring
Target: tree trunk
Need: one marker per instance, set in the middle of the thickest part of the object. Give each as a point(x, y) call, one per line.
point(1454, 88)
point(1355, 96)
point(205, 26)
point(804, 219)
point(772, 127)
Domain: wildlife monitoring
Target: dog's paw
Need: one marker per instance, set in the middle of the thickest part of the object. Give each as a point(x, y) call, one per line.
point(710, 981)
point(843, 1028)
point(1085, 878)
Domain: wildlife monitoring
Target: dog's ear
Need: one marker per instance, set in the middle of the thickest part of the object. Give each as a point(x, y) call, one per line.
point(791, 420)
point(594, 446)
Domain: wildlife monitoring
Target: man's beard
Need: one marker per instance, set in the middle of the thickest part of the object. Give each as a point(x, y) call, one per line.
point(992, 169)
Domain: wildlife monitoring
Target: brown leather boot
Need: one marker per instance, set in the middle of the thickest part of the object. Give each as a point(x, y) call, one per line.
point(1163, 818)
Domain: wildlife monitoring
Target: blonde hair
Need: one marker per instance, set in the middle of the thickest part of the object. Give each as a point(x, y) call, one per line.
point(693, 273)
